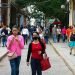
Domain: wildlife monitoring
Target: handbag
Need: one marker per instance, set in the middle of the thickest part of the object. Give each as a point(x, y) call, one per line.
point(12, 55)
point(45, 64)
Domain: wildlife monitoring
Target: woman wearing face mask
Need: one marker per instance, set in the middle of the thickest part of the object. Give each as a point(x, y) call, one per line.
point(35, 51)
point(15, 43)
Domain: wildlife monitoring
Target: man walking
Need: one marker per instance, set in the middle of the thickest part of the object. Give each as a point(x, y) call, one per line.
point(54, 34)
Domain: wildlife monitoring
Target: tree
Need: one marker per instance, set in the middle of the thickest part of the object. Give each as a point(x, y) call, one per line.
point(49, 7)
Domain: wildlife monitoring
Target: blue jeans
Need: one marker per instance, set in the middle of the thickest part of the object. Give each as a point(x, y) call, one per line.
point(36, 67)
point(54, 38)
point(63, 37)
point(14, 63)
point(46, 38)
point(4, 41)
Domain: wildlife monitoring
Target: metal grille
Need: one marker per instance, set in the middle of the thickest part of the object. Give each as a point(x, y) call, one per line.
point(4, 5)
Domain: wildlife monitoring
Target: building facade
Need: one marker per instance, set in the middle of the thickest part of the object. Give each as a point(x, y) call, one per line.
point(10, 14)
point(5, 12)
point(72, 12)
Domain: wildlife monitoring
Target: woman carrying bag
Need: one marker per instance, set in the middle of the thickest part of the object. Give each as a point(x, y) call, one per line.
point(36, 50)
point(15, 43)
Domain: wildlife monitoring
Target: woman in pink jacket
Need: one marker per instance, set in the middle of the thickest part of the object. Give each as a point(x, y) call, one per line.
point(15, 43)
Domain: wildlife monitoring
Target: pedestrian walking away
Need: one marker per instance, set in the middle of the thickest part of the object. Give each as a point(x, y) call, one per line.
point(0, 34)
point(63, 31)
point(36, 51)
point(15, 43)
point(54, 34)
point(68, 33)
point(46, 35)
point(4, 34)
point(58, 34)
point(72, 43)
point(25, 34)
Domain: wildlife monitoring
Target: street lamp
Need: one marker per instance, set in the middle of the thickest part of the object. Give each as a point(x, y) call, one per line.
point(68, 11)
point(68, 0)
point(62, 6)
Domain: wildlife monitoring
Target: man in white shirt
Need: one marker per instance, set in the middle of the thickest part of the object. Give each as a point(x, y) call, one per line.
point(25, 34)
point(58, 33)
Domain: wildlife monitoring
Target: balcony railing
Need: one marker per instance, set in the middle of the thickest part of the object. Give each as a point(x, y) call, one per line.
point(4, 5)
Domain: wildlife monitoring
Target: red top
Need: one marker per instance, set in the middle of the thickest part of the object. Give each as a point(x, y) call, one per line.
point(35, 51)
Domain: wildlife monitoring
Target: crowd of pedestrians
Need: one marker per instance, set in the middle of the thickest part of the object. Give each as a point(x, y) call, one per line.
point(63, 33)
point(66, 35)
point(14, 40)
point(4, 33)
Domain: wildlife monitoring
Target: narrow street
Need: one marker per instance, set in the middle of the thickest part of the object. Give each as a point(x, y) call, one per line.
point(58, 66)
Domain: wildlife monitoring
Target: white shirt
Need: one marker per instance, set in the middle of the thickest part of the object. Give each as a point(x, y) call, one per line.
point(41, 36)
point(8, 30)
point(25, 31)
point(58, 31)
point(0, 30)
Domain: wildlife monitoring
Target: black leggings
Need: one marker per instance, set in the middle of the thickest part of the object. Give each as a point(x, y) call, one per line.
point(58, 37)
point(36, 67)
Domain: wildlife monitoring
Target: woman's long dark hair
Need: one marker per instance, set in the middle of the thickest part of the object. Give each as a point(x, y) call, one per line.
point(42, 44)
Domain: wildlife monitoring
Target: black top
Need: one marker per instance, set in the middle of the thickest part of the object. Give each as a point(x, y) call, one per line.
point(5, 32)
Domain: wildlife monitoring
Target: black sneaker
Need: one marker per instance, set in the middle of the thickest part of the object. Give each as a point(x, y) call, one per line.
point(70, 53)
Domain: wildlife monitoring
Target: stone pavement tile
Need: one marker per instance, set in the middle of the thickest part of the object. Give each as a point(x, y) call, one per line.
point(3, 52)
point(63, 50)
point(58, 66)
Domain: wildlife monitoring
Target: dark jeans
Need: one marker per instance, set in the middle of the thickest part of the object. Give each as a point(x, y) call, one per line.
point(46, 38)
point(25, 38)
point(58, 37)
point(4, 39)
point(36, 67)
point(63, 37)
point(14, 63)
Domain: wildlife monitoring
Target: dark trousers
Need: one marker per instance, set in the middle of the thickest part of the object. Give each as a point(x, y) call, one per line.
point(14, 63)
point(58, 37)
point(63, 37)
point(25, 38)
point(36, 67)
point(46, 38)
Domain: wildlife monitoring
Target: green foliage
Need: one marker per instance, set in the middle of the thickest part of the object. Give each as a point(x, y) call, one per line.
point(49, 7)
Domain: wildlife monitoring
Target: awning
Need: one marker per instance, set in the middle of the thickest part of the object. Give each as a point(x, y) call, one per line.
point(59, 23)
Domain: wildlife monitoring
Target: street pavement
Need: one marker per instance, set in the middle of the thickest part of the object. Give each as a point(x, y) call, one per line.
point(58, 65)
point(3, 52)
point(63, 51)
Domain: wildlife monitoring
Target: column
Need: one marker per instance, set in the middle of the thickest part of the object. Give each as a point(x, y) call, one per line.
point(8, 13)
point(74, 12)
point(0, 12)
point(71, 14)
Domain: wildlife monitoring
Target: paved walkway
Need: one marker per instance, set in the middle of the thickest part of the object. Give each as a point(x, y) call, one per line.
point(3, 52)
point(64, 51)
point(58, 65)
